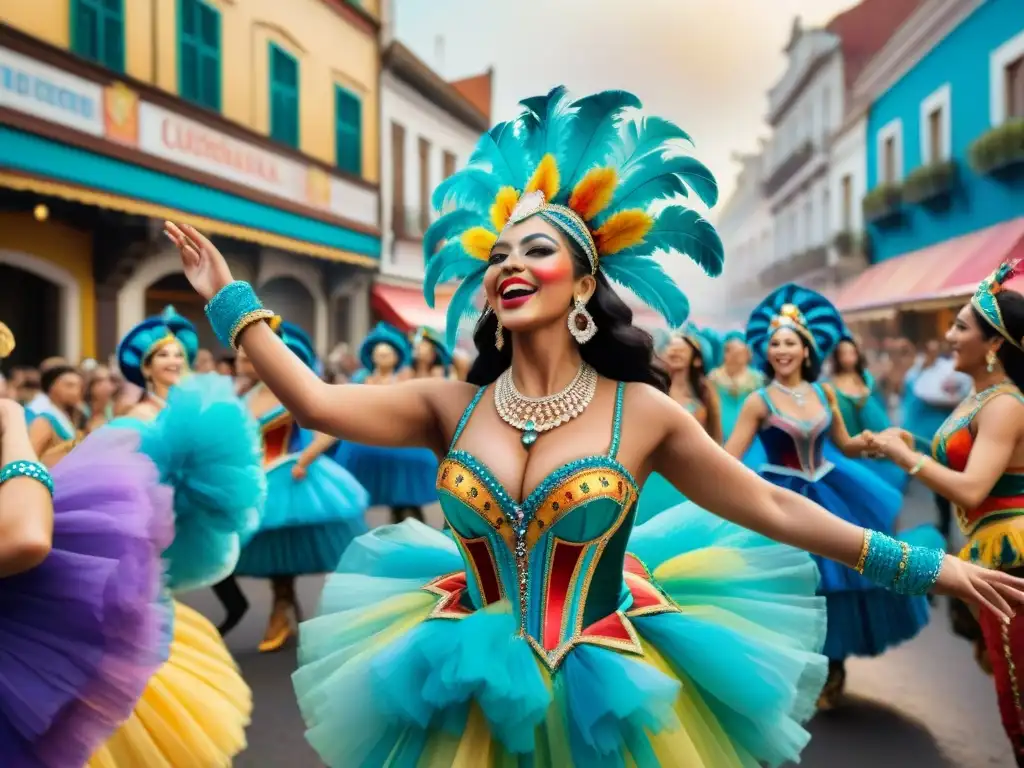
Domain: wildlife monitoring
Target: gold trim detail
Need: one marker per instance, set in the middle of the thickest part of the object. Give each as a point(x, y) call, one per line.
point(215, 226)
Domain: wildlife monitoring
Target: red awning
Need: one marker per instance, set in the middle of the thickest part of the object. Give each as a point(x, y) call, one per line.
point(406, 309)
point(946, 270)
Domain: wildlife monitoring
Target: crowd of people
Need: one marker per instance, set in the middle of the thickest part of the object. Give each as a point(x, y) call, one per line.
point(659, 548)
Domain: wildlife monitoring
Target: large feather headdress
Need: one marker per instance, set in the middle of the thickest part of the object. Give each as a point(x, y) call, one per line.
point(799, 309)
point(592, 167)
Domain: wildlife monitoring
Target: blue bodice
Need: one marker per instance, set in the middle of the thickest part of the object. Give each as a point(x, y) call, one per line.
point(794, 446)
point(559, 557)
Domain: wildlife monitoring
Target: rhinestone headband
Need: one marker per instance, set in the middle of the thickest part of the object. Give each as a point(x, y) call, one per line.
point(791, 317)
point(984, 300)
point(562, 217)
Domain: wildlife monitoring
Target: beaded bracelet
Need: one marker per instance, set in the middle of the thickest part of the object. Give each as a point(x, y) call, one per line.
point(898, 566)
point(32, 469)
point(233, 309)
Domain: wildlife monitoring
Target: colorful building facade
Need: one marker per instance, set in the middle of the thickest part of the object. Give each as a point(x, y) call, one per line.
point(257, 121)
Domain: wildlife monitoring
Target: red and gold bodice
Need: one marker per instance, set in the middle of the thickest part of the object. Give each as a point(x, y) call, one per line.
point(995, 528)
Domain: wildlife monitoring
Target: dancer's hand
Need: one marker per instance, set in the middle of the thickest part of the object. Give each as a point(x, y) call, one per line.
point(895, 444)
point(996, 591)
point(298, 471)
point(202, 263)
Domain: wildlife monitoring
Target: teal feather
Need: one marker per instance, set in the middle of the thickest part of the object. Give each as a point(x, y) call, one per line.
point(647, 179)
point(647, 134)
point(645, 277)
point(449, 226)
point(472, 188)
point(549, 123)
point(596, 131)
point(450, 263)
point(461, 304)
point(681, 230)
point(500, 149)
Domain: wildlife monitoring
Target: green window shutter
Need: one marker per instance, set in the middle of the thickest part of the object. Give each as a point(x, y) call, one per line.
point(199, 64)
point(97, 31)
point(348, 132)
point(284, 97)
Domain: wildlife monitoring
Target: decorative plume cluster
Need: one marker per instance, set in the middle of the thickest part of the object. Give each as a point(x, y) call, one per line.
point(604, 159)
point(805, 311)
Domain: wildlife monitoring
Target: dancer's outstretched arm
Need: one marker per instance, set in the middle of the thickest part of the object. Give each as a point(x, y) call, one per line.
point(26, 506)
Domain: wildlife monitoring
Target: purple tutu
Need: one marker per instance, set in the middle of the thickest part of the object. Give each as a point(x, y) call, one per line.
point(80, 635)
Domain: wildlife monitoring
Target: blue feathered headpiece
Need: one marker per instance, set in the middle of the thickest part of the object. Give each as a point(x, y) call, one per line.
point(444, 355)
point(299, 342)
point(802, 310)
point(733, 335)
point(383, 333)
point(594, 169)
point(147, 337)
point(715, 347)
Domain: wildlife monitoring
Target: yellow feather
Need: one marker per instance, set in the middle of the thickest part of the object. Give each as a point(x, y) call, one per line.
point(623, 230)
point(478, 242)
point(594, 192)
point(545, 178)
point(504, 203)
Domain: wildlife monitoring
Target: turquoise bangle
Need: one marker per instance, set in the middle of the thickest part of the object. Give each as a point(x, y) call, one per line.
point(900, 567)
point(32, 469)
point(234, 307)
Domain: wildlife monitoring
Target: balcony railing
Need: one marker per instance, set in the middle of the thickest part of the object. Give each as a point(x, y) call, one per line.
point(788, 168)
point(794, 267)
point(410, 223)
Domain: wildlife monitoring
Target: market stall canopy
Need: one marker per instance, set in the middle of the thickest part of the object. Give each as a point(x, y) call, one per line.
point(933, 276)
point(405, 308)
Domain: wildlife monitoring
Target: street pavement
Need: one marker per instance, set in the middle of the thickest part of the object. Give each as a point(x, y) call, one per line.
point(923, 705)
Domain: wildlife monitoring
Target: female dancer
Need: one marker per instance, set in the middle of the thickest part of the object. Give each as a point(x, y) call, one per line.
point(540, 630)
point(399, 478)
point(979, 467)
point(80, 586)
point(734, 380)
point(430, 356)
point(99, 395)
point(314, 507)
point(683, 356)
point(196, 707)
point(57, 411)
point(795, 329)
point(861, 405)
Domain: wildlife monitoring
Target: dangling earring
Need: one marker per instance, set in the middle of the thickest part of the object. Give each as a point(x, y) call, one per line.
point(581, 323)
point(499, 334)
point(990, 361)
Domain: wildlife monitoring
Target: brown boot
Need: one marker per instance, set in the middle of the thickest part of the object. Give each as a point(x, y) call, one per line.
point(835, 686)
point(280, 627)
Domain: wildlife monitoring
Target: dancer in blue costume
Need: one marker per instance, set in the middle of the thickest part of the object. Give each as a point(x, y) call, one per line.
point(545, 630)
point(314, 506)
point(399, 478)
point(794, 330)
point(862, 405)
point(734, 379)
point(430, 355)
point(683, 354)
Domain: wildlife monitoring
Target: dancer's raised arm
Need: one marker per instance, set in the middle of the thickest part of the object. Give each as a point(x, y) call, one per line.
point(404, 414)
point(26, 504)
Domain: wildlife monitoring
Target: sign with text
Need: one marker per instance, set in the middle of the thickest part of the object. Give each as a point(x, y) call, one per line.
point(52, 94)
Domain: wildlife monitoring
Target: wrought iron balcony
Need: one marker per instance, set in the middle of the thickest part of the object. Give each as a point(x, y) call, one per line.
point(785, 170)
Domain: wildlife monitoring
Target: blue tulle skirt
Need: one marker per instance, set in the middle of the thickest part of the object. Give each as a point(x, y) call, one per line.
point(724, 683)
point(207, 448)
point(863, 618)
point(393, 477)
point(308, 523)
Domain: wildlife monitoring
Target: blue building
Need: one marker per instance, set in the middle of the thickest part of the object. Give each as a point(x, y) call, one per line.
point(944, 152)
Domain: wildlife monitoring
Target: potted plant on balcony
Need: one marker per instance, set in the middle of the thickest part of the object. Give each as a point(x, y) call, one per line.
point(844, 242)
point(882, 203)
point(931, 183)
point(1000, 150)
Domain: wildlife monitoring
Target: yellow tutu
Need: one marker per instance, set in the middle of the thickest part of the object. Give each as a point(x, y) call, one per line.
point(194, 711)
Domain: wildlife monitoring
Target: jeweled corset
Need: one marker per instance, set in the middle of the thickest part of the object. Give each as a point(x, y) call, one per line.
point(559, 557)
point(795, 447)
point(952, 446)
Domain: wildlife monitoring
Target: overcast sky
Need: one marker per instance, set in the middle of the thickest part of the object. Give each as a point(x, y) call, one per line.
point(706, 64)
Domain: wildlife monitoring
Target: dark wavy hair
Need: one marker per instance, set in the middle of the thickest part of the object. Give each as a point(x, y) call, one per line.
point(698, 374)
point(1011, 307)
point(618, 351)
point(859, 367)
point(810, 369)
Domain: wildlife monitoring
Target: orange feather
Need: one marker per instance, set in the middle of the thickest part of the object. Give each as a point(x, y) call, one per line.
point(545, 178)
point(504, 203)
point(478, 242)
point(623, 230)
point(594, 192)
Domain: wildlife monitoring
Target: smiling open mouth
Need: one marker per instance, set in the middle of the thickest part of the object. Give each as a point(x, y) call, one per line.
point(519, 291)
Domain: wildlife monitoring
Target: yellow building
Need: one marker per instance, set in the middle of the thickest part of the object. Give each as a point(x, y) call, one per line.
point(256, 120)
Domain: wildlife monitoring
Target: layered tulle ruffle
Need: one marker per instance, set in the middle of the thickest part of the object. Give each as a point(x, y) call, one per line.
point(724, 682)
point(393, 477)
point(81, 633)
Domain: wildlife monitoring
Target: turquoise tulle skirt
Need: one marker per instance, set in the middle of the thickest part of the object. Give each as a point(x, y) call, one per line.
point(207, 448)
point(393, 477)
point(725, 682)
point(308, 523)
